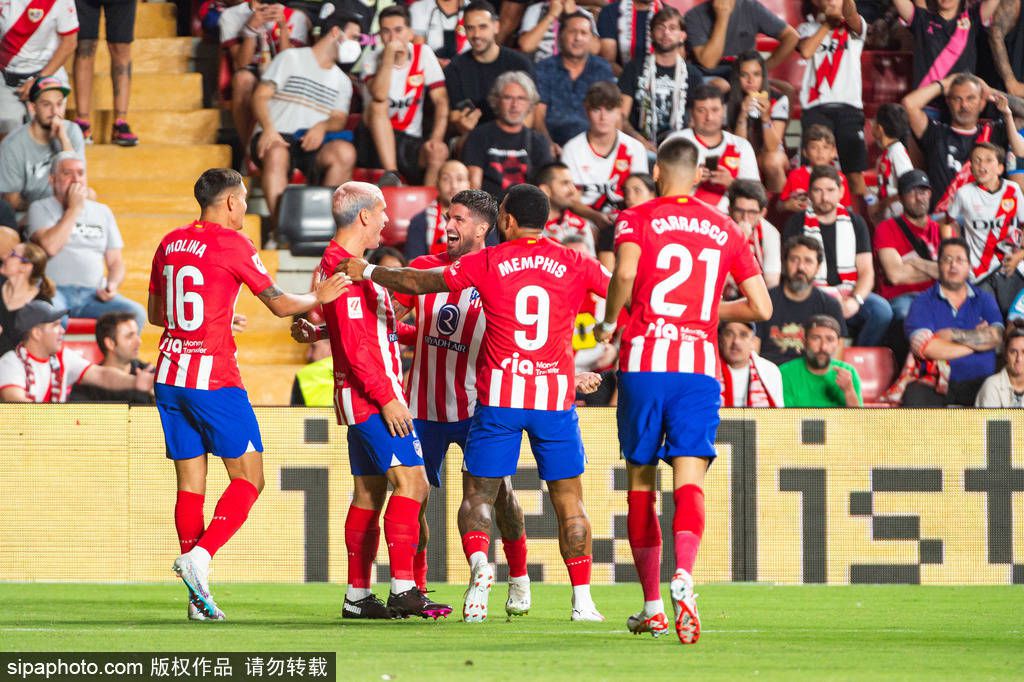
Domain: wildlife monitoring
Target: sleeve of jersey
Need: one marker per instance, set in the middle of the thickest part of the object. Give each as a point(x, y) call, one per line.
point(67, 20)
point(229, 28)
point(628, 229)
point(789, 187)
point(406, 333)
point(955, 209)
point(598, 277)
point(466, 271)
point(76, 366)
point(743, 265)
point(299, 29)
point(748, 162)
point(361, 347)
point(432, 72)
point(248, 267)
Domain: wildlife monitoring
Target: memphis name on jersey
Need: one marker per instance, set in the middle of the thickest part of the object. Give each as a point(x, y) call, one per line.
point(548, 265)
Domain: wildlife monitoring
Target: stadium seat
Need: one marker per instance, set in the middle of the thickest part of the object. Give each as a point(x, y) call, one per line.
point(404, 203)
point(887, 75)
point(88, 349)
point(80, 327)
point(305, 219)
point(877, 369)
point(367, 174)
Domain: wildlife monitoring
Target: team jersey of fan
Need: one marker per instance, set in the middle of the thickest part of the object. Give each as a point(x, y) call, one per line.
point(13, 373)
point(444, 33)
point(449, 329)
point(601, 178)
point(991, 224)
point(31, 30)
point(833, 74)
point(409, 85)
point(363, 331)
point(197, 272)
point(568, 224)
point(268, 42)
point(894, 162)
point(799, 180)
point(734, 153)
point(531, 289)
point(687, 250)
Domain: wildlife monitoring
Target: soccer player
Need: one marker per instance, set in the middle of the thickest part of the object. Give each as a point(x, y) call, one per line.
point(530, 289)
point(383, 446)
point(672, 258)
point(193, 285)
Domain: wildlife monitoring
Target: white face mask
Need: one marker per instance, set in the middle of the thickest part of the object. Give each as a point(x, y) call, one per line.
point(349, 51)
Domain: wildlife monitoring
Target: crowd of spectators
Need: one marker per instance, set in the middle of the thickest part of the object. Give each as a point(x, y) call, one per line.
point(894, 222)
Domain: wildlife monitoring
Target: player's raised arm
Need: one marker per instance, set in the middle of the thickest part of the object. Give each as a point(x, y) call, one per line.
point(286, 305)
point(402, 280)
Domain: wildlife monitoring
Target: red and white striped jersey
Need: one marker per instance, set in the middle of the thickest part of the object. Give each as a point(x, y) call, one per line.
point(531, 289)
point(363, 330)
point(449, 330)
point(197, 272)
point(30, 31)
point(687, 249)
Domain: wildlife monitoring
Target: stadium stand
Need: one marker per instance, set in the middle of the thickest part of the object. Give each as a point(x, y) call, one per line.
point(403, 204)
point(877, 369)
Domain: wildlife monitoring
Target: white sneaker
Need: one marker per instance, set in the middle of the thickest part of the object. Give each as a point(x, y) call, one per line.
point(639, 623)
point(518, 603)
point(195, 580)
point(194, 613)
point(587, 613)
point(474, 607)
point(685, 603)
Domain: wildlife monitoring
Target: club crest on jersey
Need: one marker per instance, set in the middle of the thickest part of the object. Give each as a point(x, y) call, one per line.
point(415, 80)
point(622, 165)
point(732, 162)
point(35, 14)
point(448, 319)
point(1007, 205)
point(258, 263)
point(355, 308)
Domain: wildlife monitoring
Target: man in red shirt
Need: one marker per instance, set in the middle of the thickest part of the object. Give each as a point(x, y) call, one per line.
point(673, 255)
point(530, 289)
point(193, 286)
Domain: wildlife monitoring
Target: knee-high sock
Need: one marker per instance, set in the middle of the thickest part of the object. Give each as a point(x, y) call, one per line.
point(515, 555)
point(419, 568)
point(475, 543)
point(362, 537)
point(688, 525)
point(231, 512)
point(645, 540)
point(402, 533)
point(188, 519)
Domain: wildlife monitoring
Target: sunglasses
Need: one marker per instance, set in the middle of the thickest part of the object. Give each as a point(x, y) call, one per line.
point(14, 254)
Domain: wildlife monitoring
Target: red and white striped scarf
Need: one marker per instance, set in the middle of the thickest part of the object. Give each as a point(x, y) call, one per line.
point(757, 394)
point(846, 251)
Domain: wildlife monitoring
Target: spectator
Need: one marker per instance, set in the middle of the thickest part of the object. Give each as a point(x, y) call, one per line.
point(848, 273)
point(990, 211)
point(564, 79)
point(796, 300)
point(365, 12)
point(722, 29)
point(427, 233)
point(818, 379)
point(907, 246)
point(22, 279)
point(946, 146)
point(27, 153)
point(301, 105)
point(505, 152)
point(601, 158)
point(723, 156)
point(555, 181)
point(82, 240)
point(120, 21)
point(34, 47)
point(117, 335)
point(656, 87)
point(351, 49)
point(538, 34)
point(313, 385)
point(471, 76)
point(946, 38)
point(398, 77)
point(818, 146)
point(639, 187)
point(832, 91)
point(41, 370)
point(1005, 64)
point(438, 24)
point(953, 329)
point(387, 257)
point(253, 34)
point(748, 380)
point(1006, 387)
point(760, 114)
point(624, 27)
point(889, 129)
point(748, 205)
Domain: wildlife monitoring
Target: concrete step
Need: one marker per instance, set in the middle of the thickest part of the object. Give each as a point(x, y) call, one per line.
point(152, 20)
point(198, 126)
point(111, 188)
point(125, 203)
point(151, 92)
point(142, 233)
point(156, 161)
point(150, 55)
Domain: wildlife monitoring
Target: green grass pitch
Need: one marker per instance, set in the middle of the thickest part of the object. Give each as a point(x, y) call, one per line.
point(750, 632)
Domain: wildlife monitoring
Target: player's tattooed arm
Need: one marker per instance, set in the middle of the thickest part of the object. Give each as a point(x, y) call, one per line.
point(402, 280)
point(1005, 18)
point(286, 305)
point(270, 293)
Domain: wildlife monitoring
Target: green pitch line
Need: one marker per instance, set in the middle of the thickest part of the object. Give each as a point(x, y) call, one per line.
point(750, 632)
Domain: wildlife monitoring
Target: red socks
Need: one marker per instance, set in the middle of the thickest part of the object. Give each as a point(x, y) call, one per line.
point(474, 542)
point(419, 569)
point(362, 537)
point(402, 533)
point(688, 525)
point(515, 555)
point(645, 540)
point(188, 519)
point(231, 512)
point(579, 570)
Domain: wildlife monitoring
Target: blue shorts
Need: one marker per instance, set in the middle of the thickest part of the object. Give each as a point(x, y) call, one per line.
point(662, 415)
point(372, 450)
point(436, 438)
point(196, 422)
point(496, 435)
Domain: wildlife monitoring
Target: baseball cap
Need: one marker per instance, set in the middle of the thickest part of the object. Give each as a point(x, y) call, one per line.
point(911, 180)
point(35, 313)
point(45, 83)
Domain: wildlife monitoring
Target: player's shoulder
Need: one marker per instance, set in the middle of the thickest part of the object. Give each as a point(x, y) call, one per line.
point(430, 261)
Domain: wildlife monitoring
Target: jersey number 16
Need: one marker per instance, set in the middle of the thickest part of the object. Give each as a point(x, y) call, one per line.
point(176, 297)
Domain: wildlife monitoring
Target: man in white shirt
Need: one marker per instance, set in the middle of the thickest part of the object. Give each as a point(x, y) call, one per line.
point(748, 380)
point(41, 370)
